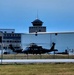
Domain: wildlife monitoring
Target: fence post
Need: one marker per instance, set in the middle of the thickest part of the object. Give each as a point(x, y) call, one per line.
point(1, 53)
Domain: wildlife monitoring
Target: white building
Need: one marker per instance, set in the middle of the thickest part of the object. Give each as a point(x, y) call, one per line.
point(7, 37)
point(63, 40)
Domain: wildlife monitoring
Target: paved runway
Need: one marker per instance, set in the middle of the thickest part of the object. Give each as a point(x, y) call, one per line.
point(37, 61)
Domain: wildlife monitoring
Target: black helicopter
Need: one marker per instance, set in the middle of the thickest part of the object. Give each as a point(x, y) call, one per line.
point(65, 52)
point(19, 50)
point(35, 49)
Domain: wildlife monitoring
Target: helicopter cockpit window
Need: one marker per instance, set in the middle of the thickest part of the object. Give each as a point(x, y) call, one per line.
point(27, 48)
point(35, 48)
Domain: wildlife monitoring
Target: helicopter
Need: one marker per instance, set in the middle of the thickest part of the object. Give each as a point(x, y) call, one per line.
point(15, 50)
point(64, 52)
point(34, 49)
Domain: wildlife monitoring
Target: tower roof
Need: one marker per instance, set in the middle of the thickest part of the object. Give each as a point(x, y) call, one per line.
point(37, 22)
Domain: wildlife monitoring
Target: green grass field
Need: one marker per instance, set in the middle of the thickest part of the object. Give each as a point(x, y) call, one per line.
point(31, 56)
point(38, 69)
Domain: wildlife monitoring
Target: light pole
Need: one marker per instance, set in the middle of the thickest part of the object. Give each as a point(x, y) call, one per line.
point(36, 34)
point(1, 45)
point(1, 53)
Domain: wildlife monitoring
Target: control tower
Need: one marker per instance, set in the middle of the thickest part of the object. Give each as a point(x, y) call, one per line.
point(37, 26)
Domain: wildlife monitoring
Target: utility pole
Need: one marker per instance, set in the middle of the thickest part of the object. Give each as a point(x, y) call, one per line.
point(1, 53)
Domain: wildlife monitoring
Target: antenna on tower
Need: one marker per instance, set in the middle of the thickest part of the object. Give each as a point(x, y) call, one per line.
point(37, 14)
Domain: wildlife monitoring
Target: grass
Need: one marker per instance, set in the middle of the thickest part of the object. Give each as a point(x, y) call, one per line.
point(38, 69)
point(31, 56)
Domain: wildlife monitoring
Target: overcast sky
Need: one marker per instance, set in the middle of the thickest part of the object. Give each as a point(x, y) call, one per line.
point(57, 15)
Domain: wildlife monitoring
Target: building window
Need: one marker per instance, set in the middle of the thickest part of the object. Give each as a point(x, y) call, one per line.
point(5, 32)
point(12, 32)
point(39, 30)
point(0, 39)
point(3, 41)
point(1, 32)
point(8, 41)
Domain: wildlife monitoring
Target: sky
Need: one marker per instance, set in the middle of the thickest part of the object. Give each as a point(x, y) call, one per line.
point(57, 15)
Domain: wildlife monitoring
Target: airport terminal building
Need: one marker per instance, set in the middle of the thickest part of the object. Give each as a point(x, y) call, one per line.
point(7, 37)
point(37, 34)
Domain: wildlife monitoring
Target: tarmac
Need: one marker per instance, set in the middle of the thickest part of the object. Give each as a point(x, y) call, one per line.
point(25, 61)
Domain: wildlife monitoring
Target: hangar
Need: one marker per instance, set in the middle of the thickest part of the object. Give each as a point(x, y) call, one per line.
point(63, 40)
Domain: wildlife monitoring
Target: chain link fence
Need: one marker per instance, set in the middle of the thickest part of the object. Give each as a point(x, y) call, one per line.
point(10, 54)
